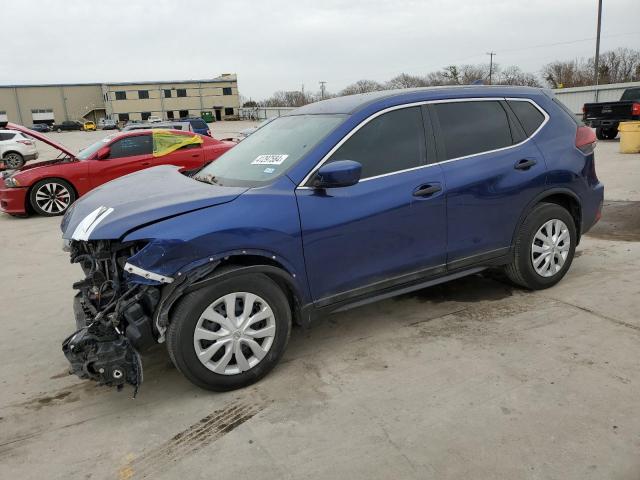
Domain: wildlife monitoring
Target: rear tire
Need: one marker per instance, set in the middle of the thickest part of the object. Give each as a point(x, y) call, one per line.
point(220, 352)
point(13, 161)
point(51, 197)
point(544, 247)
point(610, 133)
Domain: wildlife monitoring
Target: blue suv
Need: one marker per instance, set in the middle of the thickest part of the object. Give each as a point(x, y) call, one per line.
point(339, 203)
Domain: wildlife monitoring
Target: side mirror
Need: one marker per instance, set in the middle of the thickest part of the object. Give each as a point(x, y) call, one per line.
point(103, 153)
point(342, 173)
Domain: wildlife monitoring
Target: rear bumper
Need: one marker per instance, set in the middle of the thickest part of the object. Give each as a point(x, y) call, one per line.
point(602, 123)
point(13, 200)
point(592, 209)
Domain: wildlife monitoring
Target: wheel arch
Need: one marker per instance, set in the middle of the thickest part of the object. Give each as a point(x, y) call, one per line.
point(12, 151)
point(232, 265)
point(564, 197)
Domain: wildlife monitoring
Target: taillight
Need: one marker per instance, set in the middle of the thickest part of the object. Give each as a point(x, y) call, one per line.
point(635, 109)
point(209, 132)
point(25, 142)
point(585, 139)
point(584, 109)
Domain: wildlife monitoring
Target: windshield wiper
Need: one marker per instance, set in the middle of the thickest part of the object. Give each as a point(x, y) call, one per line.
point(207, 179)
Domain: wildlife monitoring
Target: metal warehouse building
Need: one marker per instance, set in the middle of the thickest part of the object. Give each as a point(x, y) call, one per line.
point(28, 104)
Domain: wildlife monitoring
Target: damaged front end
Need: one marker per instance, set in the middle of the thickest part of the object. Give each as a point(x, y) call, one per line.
point(114, 308)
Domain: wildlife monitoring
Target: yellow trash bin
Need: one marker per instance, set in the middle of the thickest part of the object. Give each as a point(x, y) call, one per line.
point(629, 137)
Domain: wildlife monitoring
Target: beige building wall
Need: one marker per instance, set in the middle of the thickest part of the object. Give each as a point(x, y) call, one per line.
point(219, 95)
point(26, 104)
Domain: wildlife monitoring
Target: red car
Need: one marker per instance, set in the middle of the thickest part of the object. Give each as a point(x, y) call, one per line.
point(48, 188)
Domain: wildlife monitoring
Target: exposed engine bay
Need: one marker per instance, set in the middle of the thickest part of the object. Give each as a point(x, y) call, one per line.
point(120, 311)
point(113, 316)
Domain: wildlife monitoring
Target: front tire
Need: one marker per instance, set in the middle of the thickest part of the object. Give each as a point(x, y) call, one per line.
point(13, 161)
point(544, 247)
point(231, 334)
point(51, 197)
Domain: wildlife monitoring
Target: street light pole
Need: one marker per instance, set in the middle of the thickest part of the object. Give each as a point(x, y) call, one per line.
point(597, 59)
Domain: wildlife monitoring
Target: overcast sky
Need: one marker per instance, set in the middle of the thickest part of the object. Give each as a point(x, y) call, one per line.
point(280, 45)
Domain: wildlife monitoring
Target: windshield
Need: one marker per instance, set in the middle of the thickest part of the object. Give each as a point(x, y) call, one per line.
point(631, 94)
point(86, 152)
point(270, 151)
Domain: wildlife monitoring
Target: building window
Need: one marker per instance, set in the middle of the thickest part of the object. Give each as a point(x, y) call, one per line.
point(123, 117)
point(227, 91)
point(167, 93)
point(181, 92)
point(145, 115)
point(184, 113)
point(143, 94)
point(228, 111)
point(170, 113)
point(121, 95)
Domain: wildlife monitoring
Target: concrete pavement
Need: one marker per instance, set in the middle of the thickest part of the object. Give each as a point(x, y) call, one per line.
point(471, 379)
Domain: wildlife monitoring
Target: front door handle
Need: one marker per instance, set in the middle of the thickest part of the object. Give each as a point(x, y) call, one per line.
point(426, 190)
point(524, 164)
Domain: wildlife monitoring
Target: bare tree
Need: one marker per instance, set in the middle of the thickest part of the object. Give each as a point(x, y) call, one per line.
point(512, 75)
point(287, 99)
point(615, 66)
point(465, 74)
point(362, 86)
point(404, 80)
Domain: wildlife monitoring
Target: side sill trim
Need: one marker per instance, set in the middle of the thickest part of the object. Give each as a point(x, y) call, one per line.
point(348, 305)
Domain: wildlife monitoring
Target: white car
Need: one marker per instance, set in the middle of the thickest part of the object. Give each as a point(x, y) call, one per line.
point(16, 149)
point(154, 119)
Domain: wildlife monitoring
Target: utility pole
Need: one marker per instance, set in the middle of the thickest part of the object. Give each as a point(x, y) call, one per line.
point(597, 59)
point(491, 54)
point(322, 89)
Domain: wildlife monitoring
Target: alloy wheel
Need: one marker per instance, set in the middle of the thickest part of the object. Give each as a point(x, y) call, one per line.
point(13, 161)
point(550, 248)
point(234, 333)
point(53, 198)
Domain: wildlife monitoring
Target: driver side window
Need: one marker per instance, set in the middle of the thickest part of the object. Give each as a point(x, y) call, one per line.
point(131, 146)
point(389, 143)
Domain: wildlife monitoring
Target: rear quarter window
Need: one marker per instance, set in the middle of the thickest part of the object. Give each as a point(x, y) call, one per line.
point(468, 128)
point(529, 116)
point(6, 136)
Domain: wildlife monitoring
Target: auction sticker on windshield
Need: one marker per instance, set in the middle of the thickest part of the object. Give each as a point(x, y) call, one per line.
point(269, 159)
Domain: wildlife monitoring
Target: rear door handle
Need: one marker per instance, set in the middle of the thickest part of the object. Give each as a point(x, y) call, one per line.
point(524, 164)
point(145, 164)
point(426, 190)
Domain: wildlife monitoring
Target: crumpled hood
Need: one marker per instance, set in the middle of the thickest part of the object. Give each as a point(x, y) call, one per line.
point(142, 198)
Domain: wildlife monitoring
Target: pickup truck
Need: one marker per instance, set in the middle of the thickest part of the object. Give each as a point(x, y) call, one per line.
point(606, 116)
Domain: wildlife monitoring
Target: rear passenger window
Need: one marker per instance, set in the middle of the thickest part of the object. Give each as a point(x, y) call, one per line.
point(468, 128)
point(391, 142)
point(530, 117)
